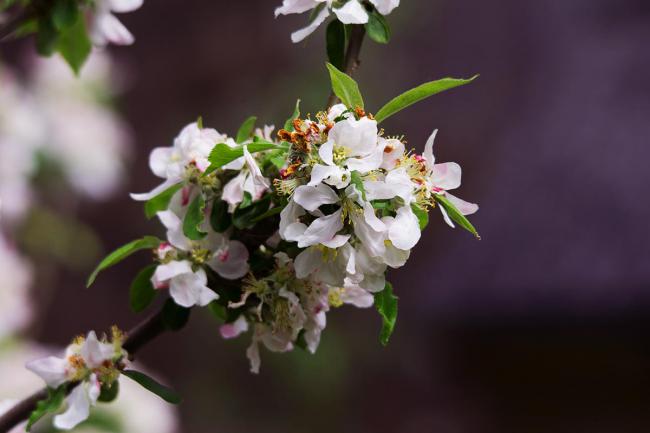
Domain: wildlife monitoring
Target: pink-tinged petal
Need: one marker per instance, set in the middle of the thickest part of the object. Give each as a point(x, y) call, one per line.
point(313, 197)
point(51, 369)
point(322, 229)
point(405, 233)
point(446, 176)
point(464, 207)
point(94, 389)
point(231, 263)
point(430, 160)
point(301, 34)
point(78, 409)
point(234, 329)
point(122, 6)
point(355, 295)
point(190, 289)
point(154, 192)
point(352, 13)
point(107, 28)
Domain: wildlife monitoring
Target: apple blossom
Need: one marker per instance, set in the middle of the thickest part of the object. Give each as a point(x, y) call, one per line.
point(105, 28)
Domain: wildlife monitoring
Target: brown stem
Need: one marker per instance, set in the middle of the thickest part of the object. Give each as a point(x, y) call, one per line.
point(138, 337)
point(352, 52)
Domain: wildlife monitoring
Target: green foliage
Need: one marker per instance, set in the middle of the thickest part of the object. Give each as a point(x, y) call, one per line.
point(222, 154)
point(47, 36)
point(166, 393)
point(417, 94)
point(194, 219)
point(355, 179)
point(50, 404)
point(377, 27)
point(288, 125)
point(161, 201)
point(74, 44)
point(345, 88)
point(142, 292)
point(269, 213)
point(220, 219)
point(246, 217)
point(386, 304)
point(423, 215)
point(246, 129)
point(64, 14)
point(174, 317)
point(145, 243)
point(109, 393)
point(335, 38)
point(455, 215)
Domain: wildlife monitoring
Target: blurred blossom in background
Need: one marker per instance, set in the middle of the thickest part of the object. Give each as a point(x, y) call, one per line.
point(542, 326)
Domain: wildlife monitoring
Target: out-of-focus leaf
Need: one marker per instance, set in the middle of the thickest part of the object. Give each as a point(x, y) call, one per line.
point(146, 243)
point(246, 217)
point(345, 88)
point(162, 391)
point(288, 125)
point(220, 219)
point(142, 292)
point(64, 13)
point(377, 27)
point(174, 317)
point(386, 304)
point(455, 215)
point(222, 154)
point(161, 201)
point(246, 129)
point(194, 219)
point(50, 404)
point(109, 393)
point(335, 37)
point(422, 215)
point(74, 44)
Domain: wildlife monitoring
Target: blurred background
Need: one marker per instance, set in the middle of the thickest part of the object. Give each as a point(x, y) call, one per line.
point(539, 327)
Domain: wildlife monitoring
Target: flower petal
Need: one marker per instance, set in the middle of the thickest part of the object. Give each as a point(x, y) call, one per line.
point(313, 197)
point(167, 271)
point(107, 28)
point(352, 13)
point(78, 409)
point(385, 7)
point(234, 329)
point(405, 233)
point(232, 262)
point(190, 289)
point(464, 207)
point(301, 34)
point(446, 176)
point(51, 369)
point(321, 230)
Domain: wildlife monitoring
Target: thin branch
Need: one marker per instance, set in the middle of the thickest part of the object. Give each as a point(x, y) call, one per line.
point(138, 337)
point(352, 53)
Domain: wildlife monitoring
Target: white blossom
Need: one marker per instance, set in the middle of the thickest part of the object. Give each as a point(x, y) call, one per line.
point(105, 28)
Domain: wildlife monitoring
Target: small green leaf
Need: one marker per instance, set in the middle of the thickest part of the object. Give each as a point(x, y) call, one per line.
point(222, 154)
point(46, 37)
point(166, 393)
point(64, 13)
point(74, 44)
point(423, 215)
point(109, 393)
point(386, 304)
point(417, 94)
point(146, 243)
point(199, 122)
point(345, 88)
point(50, 404)
point(246, 129)
point(219, 311)
point(335, 38)
point(355, 179)
point(455, 215)
point(244, 218)
point(220, 219)
point(174, 317)
point(142, 292)
point(378, 28)
point(269, 213)
point(288, 125)
point(161, 201)
point(194, 219)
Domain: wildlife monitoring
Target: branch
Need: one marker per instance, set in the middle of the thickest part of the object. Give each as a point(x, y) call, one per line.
point(138, 337)
point(352, 52)
point(10, 26)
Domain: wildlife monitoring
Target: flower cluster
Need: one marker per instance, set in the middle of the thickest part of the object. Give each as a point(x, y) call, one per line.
point(91, 365)
point(351, 202)
point(346, 11)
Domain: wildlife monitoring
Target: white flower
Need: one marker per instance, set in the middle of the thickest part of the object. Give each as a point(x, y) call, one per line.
point(80, 362)
point(385, 7)
point(191, 147)
point(251, 181)
point(105, 27)
point(444, 177)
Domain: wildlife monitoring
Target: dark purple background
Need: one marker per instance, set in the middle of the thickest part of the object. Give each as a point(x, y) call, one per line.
point(540, 327)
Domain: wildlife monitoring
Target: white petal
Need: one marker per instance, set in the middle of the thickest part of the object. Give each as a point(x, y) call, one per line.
point(321, 172)
point(430, 160)
point(337, 111)
point(317, 21)
point(121, 6)
point(234, 329)
point(405, 233)
point(355, 295)
point(154, 192)
point(107, 28)
point(232, 263)
point(295, 231)
point(372, 239)
point(313, 197)
point(445, 216)
point(78, 409)
point(352, 13)
point(393, 150)
point(94, 352)
point(295, 7)
point(51, 369)
point(167, 271)
point(337, 241)
point(233, 192)
point(371, 218)
point(256, 173)
point(307, 262)
point(385, 7)
point(464, 207)
point(359, 137)
point(326, 152)
point(321, 230)
point(367, 163)
point(446, 176)
point(159, 160)
point(253, 355)
point(190, 289)
point(289, 215)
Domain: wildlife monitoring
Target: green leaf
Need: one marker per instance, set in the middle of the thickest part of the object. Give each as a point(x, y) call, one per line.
point(423, 216)
point(174, 317)
point(166, 393)
point(244, 218)
point(50, 404)
point(219, 311)
point(146, 243)
point(455, 215)
point(386, 304)
point(109, 393)
point(74, 44)
point(417, 94)
point(199, 122)
point(64, 13)
point(161, 201)
point(345, 88)
point(246, 129)
point(378, 28)
point(194, 219)
point(47, 36)
point(220, 219)
point(288, 125)
point(142, 292)
point(269, 213)
point(335, 38)
point(355, 179)
point(222, 154)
